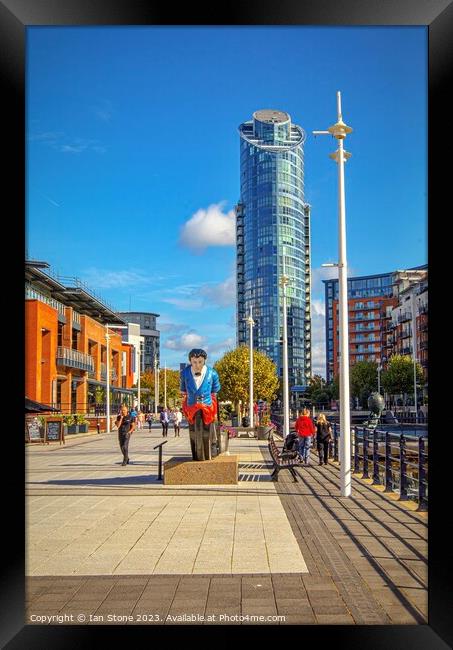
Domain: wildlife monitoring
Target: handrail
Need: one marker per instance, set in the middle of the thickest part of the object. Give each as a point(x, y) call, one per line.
point(159, 476)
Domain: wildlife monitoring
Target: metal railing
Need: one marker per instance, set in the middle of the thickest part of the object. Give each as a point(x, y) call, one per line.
point(397, 461)
point(33, 294)
point(74, 359)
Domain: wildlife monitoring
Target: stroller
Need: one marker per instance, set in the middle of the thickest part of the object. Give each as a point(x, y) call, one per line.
point(291, 446)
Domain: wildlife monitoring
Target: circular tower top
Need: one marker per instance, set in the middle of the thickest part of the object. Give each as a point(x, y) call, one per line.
point(270, 116)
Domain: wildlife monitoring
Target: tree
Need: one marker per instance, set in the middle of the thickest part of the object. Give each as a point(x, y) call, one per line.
point(363, 380)
point(233, 369)
point(173, 385)
point(399, 376)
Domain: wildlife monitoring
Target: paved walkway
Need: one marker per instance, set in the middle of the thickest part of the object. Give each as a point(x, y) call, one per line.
point(103, 540)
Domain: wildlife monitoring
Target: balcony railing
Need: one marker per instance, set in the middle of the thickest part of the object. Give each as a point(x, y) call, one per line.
point(76, 317)
point(74, 359)
point(113, 373)
point(404, 317)
point(33, 294)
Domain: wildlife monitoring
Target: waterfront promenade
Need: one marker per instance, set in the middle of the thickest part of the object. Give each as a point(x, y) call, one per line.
point(110, 541)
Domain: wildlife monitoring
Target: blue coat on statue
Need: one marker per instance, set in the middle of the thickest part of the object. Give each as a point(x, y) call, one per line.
point(202, 395)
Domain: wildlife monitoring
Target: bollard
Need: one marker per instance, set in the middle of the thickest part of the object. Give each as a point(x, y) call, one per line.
point(403, 478)
point(422, 500)
point(98, 426)
point(356, 450)
point(376, 479)
point(365, 453)
point(388, 463)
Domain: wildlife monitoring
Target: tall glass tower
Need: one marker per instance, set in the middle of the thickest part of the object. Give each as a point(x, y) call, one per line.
point(272, 224)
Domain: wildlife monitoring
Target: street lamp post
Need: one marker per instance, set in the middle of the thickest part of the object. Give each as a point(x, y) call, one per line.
point(251, 323)
point(156, 391)
point(379, 379)
point(165, 385)
point(107, 367)
point(139, 373)
point(340, 131)
point(284, 282)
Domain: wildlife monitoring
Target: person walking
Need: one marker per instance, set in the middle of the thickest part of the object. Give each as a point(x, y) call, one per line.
point(149, 418)
point(323, 437)
point(177, 419)
point(164, 420)
point(126, 425)
point(305, 430)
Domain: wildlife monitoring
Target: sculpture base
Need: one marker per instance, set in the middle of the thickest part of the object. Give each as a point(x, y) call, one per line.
point(221, 470)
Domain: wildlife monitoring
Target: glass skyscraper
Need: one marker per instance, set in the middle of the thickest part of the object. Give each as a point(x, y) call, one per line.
point(272, 232)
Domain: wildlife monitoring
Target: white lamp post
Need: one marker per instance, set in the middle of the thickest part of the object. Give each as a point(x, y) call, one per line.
point(340, 131)
point(414, 349)
point(107, 367)
point(251, 323)
point(139, 373)
point(156, 389)
point(284, 281)
point(165, 385)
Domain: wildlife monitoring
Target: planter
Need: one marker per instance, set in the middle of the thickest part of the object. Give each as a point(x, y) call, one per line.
point(83, 428)
point(262, 432)
point(73, 428)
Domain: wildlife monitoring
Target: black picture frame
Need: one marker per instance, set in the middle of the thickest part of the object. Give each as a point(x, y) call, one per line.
point(437, 16)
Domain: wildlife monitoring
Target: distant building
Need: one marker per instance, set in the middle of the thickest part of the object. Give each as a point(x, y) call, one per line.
point(65, 344)
point(372, 301)
point(150, 334)
point(272, 234)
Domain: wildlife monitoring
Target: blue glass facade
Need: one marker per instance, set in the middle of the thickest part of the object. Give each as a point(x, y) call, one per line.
point(273, 221)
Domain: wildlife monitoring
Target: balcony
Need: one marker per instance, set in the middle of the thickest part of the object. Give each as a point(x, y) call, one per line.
point(404, 317)
point(32, 294)
point(74, 359)
point(113, 373)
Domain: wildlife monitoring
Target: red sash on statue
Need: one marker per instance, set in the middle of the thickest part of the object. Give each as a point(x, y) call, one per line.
point(208, 412)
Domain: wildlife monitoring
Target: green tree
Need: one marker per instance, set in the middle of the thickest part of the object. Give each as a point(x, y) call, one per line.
point(363, 380)
point(173, 386)
point(399, 376)
point(233, 369)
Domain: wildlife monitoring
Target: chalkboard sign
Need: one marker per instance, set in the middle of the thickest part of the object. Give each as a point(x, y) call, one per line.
point(54, 430)
point(33, 432)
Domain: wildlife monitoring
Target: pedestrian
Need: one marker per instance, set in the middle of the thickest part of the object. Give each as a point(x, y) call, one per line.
point(126, 425)
point(133, 413)
point(177, 418)
point(164, 420)
point(323, 437)
point(149, 418)
point(305, 430)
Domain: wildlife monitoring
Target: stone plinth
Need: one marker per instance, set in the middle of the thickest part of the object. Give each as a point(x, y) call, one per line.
point(221, 470)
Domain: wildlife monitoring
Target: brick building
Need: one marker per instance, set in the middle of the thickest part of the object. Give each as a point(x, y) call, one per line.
point(66, 347)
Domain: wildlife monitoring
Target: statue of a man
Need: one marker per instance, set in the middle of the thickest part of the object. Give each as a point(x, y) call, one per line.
point(199, 385)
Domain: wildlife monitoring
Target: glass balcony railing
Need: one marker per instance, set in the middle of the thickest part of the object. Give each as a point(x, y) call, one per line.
point(74, 359)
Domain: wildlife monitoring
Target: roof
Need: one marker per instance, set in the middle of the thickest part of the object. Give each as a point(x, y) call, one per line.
point(36, 407)
point(71, 292)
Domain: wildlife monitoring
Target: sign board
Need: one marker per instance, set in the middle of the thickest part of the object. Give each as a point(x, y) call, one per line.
point(33, 432)
point(298, 389)
point(54, 430)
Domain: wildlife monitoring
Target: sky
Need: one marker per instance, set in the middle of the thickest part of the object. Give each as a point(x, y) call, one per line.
point(133, 160)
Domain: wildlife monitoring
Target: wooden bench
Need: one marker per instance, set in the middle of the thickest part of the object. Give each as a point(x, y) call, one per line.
point(282, 460)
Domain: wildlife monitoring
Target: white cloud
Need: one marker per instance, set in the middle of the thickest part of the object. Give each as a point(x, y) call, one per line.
point(318, 338)
point(210, 227)
point(114, 279)
point(185, 341)
point(222, 346)
point(318, 275)
point(222, 294)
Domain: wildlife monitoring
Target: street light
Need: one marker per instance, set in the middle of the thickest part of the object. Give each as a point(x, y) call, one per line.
point(156, 390)
point(107, 366)
point(340, 130)
point(414, 348)
point(251, 323)
point(284, 282)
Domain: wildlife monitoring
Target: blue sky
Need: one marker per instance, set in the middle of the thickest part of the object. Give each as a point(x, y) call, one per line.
point(133, 154)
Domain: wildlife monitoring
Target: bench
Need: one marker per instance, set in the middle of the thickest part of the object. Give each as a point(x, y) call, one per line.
point(282, 460)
